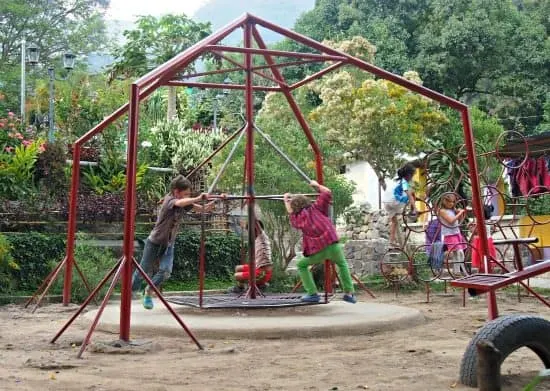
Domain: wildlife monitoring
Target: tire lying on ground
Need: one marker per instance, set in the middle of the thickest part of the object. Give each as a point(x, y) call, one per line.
point(508, 333)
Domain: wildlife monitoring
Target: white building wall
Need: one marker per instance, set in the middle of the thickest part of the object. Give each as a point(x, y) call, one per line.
point(366, 182)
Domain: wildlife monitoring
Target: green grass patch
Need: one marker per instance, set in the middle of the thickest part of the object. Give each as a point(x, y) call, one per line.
point(378, 283)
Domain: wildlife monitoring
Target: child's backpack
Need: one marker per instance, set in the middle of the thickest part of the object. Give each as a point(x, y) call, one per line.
point(399, 194)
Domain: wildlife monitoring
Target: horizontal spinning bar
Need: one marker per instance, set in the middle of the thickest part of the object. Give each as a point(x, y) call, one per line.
point(260, 197)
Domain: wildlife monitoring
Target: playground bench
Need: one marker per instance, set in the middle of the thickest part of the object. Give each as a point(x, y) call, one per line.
point(491, 282)
point(488, 282)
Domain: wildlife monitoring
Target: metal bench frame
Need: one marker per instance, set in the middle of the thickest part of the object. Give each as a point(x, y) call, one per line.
point(491, 282)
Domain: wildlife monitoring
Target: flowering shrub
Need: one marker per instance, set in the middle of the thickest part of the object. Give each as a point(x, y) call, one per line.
point(169, 144)
point(10, 137)
point(7, 265)
point(17, 169)
point(18, 155)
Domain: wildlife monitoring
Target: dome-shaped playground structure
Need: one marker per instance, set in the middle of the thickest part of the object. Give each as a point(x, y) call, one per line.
point(169, 74)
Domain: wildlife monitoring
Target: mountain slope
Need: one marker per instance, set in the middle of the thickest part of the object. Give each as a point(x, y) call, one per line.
point(281, 12)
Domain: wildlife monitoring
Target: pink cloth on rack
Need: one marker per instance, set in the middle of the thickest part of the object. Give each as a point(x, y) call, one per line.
point(544, 174)
point(527, 177)
point(477, 259)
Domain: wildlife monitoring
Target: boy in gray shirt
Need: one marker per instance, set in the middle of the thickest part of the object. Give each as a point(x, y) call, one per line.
point(160, 242)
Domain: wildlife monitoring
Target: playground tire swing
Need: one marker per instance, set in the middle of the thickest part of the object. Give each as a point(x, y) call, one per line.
point(507, 334)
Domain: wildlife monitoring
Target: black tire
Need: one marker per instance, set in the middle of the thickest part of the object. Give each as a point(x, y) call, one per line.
point(508, 333)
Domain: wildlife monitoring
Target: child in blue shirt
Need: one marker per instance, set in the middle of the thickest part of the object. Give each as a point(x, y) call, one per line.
point(401, 195)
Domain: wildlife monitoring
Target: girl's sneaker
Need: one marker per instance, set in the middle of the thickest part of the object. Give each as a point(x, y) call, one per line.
point(147, 302)
point(350, 299)
point(315, 298)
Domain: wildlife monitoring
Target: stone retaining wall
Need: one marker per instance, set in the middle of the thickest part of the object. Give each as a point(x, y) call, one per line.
point(367, 234)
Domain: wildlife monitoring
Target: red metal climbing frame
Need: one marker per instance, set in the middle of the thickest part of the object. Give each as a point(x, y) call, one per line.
point(163, 76)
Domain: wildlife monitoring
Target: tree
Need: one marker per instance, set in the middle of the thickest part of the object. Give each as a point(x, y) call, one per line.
point(448, 168)
point(54, 26)
point(544, 126)
point(492, 53)
point(391, 25)
point(374, 121)
point(155, 41)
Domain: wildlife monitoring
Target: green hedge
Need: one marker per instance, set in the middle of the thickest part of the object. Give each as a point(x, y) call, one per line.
point(222, 255)
point(35, 253)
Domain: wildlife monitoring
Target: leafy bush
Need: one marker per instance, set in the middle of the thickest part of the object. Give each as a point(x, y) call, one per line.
point(281, 280)
point(34, 253)
point(94, 207)
point(538, 206)
point(171, 145)
point(94, 262)
point(17, 169)
point(50, 168)
point(7, 266)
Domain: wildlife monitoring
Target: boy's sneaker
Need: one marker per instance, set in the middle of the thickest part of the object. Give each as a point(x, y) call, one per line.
point(315, 298)
point(147, 302)
point(136, 295)
point(350, 299)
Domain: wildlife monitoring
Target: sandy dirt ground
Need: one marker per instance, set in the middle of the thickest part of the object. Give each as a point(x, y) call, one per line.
point(425, 357)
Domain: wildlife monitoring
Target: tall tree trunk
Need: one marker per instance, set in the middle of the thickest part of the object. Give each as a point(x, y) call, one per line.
point(172, 112)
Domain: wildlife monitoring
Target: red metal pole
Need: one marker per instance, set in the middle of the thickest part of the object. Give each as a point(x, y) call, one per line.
point(49, 284)
point(282, 53)
point(71, 226)
point(187, 55)
point(114, 116)
point(285, 64)
point(129, 214)
point(202, 255)
point(216, 72)
point(249, 155)
point(317, 75)
point(102, 125)
point(221, 86)
point(90, 297)
point(474, 179)
point(476, 202)
point(261, 74)
point(360, 64)
point(75, 180)
point(101, 308)
point(52, 274)
point(222, 145)
point(163, 301)
point(295, 109)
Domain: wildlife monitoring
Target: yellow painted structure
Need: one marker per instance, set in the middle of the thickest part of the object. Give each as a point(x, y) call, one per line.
point(541, 231)
point(419, 180)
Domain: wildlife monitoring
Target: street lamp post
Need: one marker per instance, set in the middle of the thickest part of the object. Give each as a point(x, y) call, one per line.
point(23, 55)
point(68, 64)
point(28, 54)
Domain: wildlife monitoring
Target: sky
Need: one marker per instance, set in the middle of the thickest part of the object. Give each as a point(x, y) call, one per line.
point(129, 9)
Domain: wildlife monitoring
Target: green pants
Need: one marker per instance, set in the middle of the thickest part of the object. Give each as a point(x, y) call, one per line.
point(333, 253)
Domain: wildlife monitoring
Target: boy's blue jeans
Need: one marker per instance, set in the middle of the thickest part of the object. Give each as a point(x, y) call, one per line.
point(151, 253)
